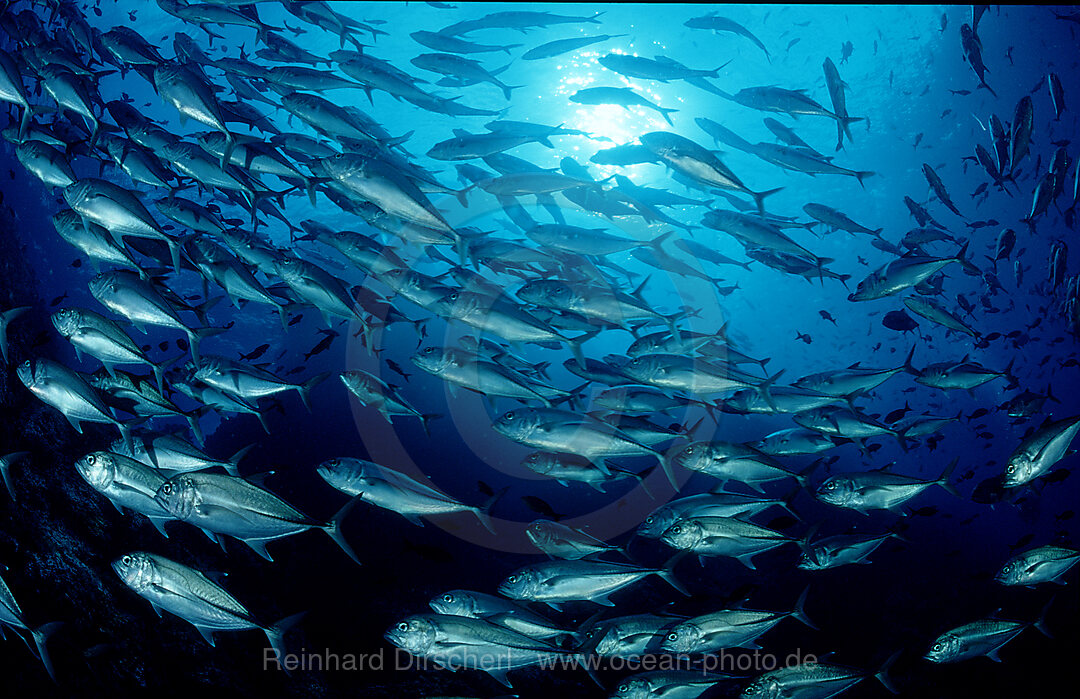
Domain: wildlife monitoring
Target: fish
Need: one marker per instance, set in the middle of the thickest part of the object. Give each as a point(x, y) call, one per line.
point(127, 483)
point(982, 637)
point(190, 595)
point(560, 541)
point(12, 616)
point(813, 679)
point(224, 505)
point(394, 491)
point(620, 96)
point(249, 382)
point(835, 551)
point(1019, 137)
point(716, 24)
point(459, 642)
point(727, 628)
point(901, 274)
point(497, 610)
point(558, 47)
point(374, 392)
point(63, 389)
point(878, 490)
point(972, 48)
point(662, 69)
point(722, 536)
point(255, 353)
point(557, 582)
point(1057, 94)
point(1040, 451)
point(934, 312)
point(938, 187)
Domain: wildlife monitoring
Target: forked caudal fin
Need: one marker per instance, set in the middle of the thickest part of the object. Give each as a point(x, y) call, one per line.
point(276, 635)
point(333, 529)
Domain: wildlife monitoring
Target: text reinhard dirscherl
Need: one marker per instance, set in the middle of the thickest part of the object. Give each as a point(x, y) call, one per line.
point(738, 661)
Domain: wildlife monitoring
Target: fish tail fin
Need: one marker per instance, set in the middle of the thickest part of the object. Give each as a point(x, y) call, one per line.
point(641, 481)
point(210, 35)
point(667, 573)
point(193, 422)
point(234, 460)
point(846, 122)
point(943, 479)
point(1050, 394)
point(908, 366)
point(862, 174)
point(664, 112)
point(763, 389)
point(41, 635)
point(333, 530)
point(483, 512)
point(262, 421)
point(5, 468)
point(304, 389)
point(577, 342)
point(882, 675)
point(226, 153)
point(5, 319)
point(24, 121)
point(195, 338)
point(275, 635)
point(425, 418)
point(1040, 623)
point(507, 89)
point(759, 198)
point(800, 613)
point(510, 46)
point(665, 465)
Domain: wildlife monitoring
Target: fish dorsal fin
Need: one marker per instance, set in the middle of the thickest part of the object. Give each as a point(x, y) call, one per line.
point(854, 366)
point(461, 133)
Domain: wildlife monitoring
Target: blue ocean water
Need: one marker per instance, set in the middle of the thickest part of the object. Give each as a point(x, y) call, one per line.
point(907, 79)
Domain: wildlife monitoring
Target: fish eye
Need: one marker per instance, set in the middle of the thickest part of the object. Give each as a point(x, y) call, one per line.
point(91, 460)
point(673, 636)
point(512, 579)
point(623, 688)
point(126, 560)
point(937, 646)
point(1010, 469)
point(454, 296)
point(403, 626)
point(689, 451)
point(509, 415)
point(447, 598)
point(167, 488)
point(650, 519)
point(429, 350)
point(676, 530)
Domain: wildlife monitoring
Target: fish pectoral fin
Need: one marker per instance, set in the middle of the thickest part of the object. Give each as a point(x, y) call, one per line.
point(993, 655)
